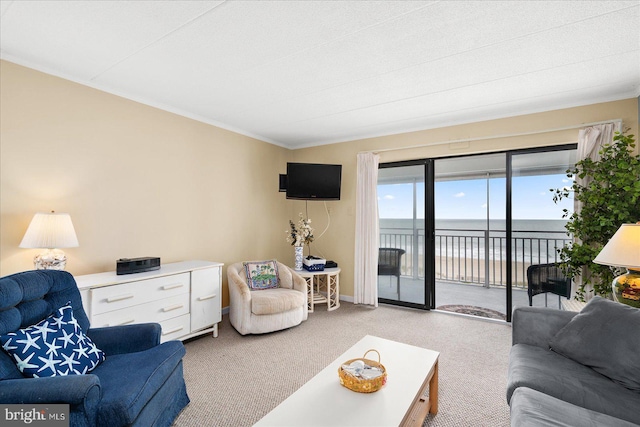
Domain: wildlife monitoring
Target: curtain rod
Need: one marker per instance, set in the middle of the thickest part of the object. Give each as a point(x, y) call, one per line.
point(618, 123)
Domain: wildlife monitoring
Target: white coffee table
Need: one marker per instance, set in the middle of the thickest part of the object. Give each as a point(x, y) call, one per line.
point(412, 372)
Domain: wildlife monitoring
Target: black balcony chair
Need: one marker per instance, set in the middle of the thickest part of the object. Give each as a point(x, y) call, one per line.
point(545, 278)
point(389, 260)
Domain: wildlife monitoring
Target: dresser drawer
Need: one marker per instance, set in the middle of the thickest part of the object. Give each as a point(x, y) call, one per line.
point(151, 312)
point(174, 328)
point(116, 297)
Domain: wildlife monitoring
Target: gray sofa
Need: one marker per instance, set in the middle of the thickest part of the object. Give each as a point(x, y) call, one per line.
point(570, 369)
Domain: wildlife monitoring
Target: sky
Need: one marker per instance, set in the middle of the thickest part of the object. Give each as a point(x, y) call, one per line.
point(467, 199)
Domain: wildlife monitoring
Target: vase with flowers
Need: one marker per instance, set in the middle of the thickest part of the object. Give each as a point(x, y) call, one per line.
point(298, 235)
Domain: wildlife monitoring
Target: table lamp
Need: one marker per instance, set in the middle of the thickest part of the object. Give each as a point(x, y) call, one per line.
point(623, 250)
point(50, 231)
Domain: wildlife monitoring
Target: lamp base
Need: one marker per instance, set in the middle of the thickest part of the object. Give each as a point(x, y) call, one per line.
point(626, 288)
point(51, 259)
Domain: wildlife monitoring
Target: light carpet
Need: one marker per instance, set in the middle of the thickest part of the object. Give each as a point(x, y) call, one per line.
point(235, 380)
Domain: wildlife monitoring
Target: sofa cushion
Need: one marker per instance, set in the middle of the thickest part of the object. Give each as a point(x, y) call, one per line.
point(606, 337)
point(145, 373)
point(530, 408)
point(262, 274)
point(279, 300)
point(54, 346)
point(553, 374)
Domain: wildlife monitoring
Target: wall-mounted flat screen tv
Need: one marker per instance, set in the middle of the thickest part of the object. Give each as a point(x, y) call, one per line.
point(313, 181)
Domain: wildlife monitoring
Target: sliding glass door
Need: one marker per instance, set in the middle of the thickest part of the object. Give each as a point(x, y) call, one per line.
point(458, 234)
point(538, 227)
point(401, 260)
point(470, 233)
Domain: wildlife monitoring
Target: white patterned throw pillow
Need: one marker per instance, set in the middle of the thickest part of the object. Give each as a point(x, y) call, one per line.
point(262, 274)
point(54, 346)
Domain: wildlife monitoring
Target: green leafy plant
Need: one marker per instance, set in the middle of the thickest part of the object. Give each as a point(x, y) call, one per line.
point(610, 198)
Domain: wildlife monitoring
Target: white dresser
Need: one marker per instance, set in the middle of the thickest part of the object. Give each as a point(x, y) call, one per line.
point(185, 298)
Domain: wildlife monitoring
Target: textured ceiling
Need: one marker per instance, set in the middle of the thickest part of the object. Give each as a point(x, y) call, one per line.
point(304, 73)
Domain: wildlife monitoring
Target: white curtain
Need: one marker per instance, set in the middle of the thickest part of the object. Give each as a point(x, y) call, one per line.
point(590, 141)
point(367, 231)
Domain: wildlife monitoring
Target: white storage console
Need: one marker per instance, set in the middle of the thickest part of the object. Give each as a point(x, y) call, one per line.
point(185, 298)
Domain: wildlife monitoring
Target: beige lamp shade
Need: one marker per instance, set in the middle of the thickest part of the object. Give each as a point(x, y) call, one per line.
point(623, 250)
point(50, 230)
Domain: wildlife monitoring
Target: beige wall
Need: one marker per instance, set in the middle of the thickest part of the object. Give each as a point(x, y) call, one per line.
point(139, 181)
point(136, 180)
point(338, 242)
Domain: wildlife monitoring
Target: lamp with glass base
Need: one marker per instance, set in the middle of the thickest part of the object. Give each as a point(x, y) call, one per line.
point(623, 250)
point(50, 231)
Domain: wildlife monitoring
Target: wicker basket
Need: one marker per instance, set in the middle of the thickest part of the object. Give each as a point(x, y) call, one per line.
point(362, 385)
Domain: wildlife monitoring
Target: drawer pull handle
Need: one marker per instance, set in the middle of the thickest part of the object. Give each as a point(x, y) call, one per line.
point(206, 297)
point(172, 307)
point(174, 286)
point(119, 297)
point(126, 322)
point(172, 330)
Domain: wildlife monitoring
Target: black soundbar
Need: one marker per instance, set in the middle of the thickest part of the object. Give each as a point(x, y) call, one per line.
point(137, 265)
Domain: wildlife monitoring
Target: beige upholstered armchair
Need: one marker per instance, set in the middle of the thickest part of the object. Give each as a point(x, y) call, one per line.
point(259, 311)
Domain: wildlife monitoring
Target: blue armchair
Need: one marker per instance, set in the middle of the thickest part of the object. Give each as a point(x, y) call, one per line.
point(140, 383)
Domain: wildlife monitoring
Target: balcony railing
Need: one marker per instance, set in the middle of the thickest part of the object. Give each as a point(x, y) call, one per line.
point(460, 254)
